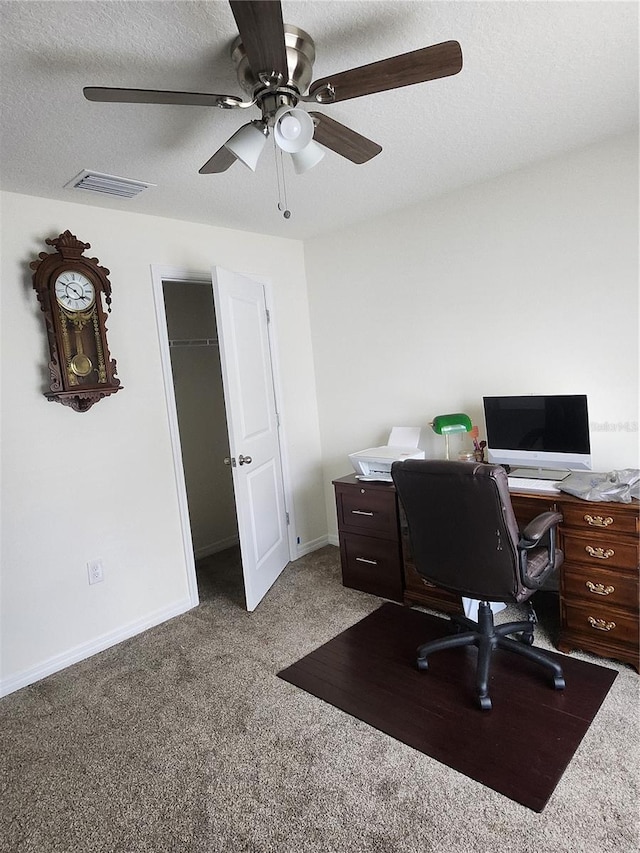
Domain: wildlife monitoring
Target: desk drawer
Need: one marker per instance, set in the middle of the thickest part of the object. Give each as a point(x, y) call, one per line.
point(593, 586)
point(526, 509)
point(608, 521)
point(368, 511)
point(372, 565)
point(600, 550)
point(601, 624)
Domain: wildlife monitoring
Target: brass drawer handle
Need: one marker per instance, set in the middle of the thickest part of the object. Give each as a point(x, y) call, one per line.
point(599, 553)
point(364, 560)
point(599, 588)
point(361, 512)
point(600, 624)
point(598, 520)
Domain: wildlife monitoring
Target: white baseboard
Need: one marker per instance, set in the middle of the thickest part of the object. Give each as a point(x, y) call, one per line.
point(332, 539)
point(215, 547)
point(313, 545)
point(105, 641)
point(86, 650)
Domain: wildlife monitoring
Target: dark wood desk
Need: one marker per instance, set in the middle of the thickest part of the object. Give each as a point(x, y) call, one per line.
point(599, 594)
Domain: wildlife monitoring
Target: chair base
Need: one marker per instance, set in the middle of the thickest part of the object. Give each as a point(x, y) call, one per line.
point(487, 636)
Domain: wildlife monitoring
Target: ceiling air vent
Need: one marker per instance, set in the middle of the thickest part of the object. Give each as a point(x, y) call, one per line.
point(96, 182)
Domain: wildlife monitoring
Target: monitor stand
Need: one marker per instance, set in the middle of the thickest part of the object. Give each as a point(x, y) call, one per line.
point(539, 474)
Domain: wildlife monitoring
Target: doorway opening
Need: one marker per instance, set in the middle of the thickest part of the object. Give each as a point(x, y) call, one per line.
point(220, 389)
point(202, 423)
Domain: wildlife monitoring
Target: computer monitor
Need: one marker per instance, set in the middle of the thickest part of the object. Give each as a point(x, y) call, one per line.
point(539, 431)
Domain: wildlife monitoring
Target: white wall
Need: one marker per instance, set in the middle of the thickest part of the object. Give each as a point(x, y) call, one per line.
point(524, 284)
point(76, 487)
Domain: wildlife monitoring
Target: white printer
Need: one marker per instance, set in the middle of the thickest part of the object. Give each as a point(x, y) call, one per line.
point(374, 463)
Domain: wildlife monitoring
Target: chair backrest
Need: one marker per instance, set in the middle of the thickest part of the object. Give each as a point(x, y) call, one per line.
point(462, 527)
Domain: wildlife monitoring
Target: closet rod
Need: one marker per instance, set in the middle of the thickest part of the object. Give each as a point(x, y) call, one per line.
point(195, 342)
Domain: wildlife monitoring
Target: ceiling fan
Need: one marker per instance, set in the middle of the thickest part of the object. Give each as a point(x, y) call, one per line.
point(274, 63)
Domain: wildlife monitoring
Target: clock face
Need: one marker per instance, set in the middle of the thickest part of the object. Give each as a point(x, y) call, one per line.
point(74, 291)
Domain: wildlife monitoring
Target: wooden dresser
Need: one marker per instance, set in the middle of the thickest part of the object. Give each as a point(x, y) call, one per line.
point(599, 590)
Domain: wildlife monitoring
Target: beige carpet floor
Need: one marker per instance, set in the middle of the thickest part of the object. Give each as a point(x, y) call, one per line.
point(183, 739)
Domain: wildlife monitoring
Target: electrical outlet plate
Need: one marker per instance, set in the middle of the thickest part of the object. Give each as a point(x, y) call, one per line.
point(95, 570)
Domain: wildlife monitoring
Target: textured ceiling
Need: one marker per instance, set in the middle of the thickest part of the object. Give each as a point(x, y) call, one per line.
point(539, 78)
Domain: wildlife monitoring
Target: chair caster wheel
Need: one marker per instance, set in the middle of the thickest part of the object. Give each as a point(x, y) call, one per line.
point(526, 638)
point(558, 682)
point(422, 663)
point(485, 703)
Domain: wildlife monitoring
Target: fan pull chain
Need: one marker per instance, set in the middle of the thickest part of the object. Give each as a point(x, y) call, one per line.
point(282, 186)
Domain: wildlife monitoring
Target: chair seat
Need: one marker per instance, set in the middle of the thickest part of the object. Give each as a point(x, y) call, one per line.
point(537, 563)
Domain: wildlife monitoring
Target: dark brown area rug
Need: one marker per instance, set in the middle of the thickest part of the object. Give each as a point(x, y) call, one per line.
point(520, 748)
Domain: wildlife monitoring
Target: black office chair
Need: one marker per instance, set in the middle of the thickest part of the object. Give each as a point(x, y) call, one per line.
point(465, 538)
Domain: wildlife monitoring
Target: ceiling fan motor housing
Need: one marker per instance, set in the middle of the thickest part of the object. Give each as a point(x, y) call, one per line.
point(301, 54)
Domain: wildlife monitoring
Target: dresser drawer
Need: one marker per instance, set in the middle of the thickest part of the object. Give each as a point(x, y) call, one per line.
point(601, 624)
point(600, 550)
point(368, 511)
point(372, 565)
point(600, 588)
point(615, 520)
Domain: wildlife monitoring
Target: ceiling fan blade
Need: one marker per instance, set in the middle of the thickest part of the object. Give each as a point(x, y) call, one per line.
point(261, 29)
point(156, 96)
point(343, 140)
point(418, 66)
point(220, 162)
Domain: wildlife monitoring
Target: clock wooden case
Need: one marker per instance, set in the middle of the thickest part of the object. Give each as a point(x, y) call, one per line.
point(71, 289)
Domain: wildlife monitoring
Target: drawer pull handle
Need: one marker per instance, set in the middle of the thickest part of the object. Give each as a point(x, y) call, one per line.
point(599, 553)
point(601, 625)
point(364, 560)
point(599, 588)
point(598, 520)
point(361, 512)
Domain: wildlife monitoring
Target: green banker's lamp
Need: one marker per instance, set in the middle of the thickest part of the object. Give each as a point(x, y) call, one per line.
point(447, 425)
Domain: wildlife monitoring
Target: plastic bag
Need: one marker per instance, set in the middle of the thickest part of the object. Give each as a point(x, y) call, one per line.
point(620, 486)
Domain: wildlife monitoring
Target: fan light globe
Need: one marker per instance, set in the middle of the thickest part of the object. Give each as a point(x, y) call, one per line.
point(292, 129)
point(307, 158)
point(247, 144)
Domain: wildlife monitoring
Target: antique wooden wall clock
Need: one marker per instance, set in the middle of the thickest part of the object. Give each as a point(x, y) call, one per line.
point(70, 290)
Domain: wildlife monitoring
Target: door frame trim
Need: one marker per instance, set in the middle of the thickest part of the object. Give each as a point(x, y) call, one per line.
point(159, 274)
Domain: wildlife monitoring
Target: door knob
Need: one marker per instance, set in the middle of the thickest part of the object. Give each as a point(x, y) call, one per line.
point(245, 460)
point(229, 460)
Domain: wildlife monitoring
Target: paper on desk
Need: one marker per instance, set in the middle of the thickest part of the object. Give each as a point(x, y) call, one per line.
point(404, 437)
